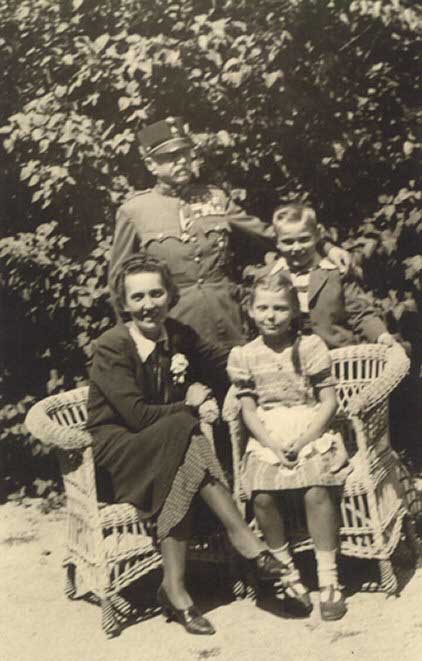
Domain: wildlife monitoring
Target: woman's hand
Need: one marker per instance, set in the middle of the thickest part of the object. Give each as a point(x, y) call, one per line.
point(208, 411)
point(196, 395)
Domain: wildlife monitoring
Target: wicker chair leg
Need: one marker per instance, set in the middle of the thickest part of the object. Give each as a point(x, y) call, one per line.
point(239, 589)
point(110, 625)
point(388, 578)
point(70, 584)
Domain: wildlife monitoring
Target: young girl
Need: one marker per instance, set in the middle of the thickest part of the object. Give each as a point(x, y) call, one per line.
point(143, 412)
point(287, 395)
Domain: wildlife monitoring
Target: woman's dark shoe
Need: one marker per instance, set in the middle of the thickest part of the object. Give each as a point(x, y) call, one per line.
point(190, 617)
point(267, 567)
point(332, 603)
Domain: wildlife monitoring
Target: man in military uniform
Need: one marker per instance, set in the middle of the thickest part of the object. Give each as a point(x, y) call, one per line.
point(193, 228)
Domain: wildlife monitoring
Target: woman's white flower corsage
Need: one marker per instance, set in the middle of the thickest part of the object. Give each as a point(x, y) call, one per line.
point(178, 367)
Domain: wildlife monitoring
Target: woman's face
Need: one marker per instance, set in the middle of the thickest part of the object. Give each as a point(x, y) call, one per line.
point(271, 312)
point(172, 168)
point(147, 302)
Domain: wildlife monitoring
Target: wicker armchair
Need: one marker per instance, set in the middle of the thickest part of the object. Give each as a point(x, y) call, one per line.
point(107, 546)
point(378, 493)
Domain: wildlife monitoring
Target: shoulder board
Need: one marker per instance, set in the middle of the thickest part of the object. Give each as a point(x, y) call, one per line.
point(136, 193)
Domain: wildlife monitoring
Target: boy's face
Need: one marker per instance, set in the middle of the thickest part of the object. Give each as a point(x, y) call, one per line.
point(297, 242)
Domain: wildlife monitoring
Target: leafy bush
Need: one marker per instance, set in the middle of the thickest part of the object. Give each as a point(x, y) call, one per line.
point(307, 99)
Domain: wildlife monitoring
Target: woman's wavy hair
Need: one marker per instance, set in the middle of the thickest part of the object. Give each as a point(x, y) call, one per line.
point(141, 263)
point(281, 281)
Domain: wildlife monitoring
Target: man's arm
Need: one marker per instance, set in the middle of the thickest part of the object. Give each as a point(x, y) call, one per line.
point(126, 242)
point(264, 239)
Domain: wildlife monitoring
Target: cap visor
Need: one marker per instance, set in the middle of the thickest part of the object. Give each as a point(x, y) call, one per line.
point(172, 145)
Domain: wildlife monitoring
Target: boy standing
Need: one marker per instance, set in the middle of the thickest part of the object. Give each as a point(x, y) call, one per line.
point(334, 305)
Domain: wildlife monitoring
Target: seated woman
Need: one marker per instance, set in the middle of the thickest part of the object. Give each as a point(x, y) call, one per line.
point(143, 417)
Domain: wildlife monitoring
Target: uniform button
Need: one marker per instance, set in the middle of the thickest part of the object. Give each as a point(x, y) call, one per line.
point(197, 259)
point(200, 281)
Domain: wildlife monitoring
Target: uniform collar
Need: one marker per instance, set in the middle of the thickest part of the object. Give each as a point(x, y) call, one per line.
point(144, 345)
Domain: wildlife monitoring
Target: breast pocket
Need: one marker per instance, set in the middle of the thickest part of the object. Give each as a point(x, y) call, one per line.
point(166, 246)
point(217, 232)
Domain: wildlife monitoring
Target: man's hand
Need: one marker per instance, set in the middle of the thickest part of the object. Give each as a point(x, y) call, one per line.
point(341, 258)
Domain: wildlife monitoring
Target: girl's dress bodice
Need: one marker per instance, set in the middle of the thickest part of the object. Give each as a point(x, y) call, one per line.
point(271, 378)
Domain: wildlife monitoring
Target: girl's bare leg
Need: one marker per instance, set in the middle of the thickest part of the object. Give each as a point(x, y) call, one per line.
point(270, 519)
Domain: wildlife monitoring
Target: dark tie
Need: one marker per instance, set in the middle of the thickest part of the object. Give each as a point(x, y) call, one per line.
point(159, 358)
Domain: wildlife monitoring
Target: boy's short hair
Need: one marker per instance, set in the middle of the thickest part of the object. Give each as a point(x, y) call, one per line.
point(295, 213)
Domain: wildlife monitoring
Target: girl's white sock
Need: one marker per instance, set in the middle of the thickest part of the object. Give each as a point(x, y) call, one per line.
point(283, 554)
point(326, 568)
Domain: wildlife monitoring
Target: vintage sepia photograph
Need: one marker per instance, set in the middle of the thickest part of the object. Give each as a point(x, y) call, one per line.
point(211, 330)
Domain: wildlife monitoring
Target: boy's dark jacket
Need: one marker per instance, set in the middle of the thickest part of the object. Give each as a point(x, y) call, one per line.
point(339, 310)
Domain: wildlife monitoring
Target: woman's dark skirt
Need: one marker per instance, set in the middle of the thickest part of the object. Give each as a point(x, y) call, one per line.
point(158, 470)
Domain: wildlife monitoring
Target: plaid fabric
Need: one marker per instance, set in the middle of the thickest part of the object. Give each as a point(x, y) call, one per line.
point(199, 466)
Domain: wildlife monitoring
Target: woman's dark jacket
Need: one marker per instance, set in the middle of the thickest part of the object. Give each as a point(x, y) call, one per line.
point(140, 425)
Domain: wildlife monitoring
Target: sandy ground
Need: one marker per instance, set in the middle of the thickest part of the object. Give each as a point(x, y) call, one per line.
point(38, 623)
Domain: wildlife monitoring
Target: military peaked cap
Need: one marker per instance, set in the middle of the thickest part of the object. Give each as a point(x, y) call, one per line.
point(164, 136)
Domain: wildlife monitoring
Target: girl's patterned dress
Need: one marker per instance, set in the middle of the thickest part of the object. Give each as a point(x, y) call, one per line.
point(286, 405)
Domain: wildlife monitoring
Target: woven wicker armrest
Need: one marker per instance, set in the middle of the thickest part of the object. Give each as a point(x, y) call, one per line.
point(396, 368)
point(48, 431)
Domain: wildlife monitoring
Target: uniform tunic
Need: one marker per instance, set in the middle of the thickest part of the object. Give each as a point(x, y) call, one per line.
point(145, 439)
point(194, 233)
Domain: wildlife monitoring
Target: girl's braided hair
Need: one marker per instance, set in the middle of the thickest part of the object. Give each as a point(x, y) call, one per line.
point(281, 281)
point(141, 263)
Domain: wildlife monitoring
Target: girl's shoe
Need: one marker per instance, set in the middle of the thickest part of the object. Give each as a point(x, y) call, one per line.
point(268, 568)
point(332, 605)
point(295, 590)
point(190, 618)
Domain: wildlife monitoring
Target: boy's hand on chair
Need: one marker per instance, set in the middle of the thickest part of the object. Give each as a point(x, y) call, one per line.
point(387, 339)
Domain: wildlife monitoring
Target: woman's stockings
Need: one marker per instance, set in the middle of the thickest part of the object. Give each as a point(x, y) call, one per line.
point(173, 552)
point(241, 536)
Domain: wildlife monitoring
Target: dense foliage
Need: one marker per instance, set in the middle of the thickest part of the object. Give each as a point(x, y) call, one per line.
point(300, 99)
